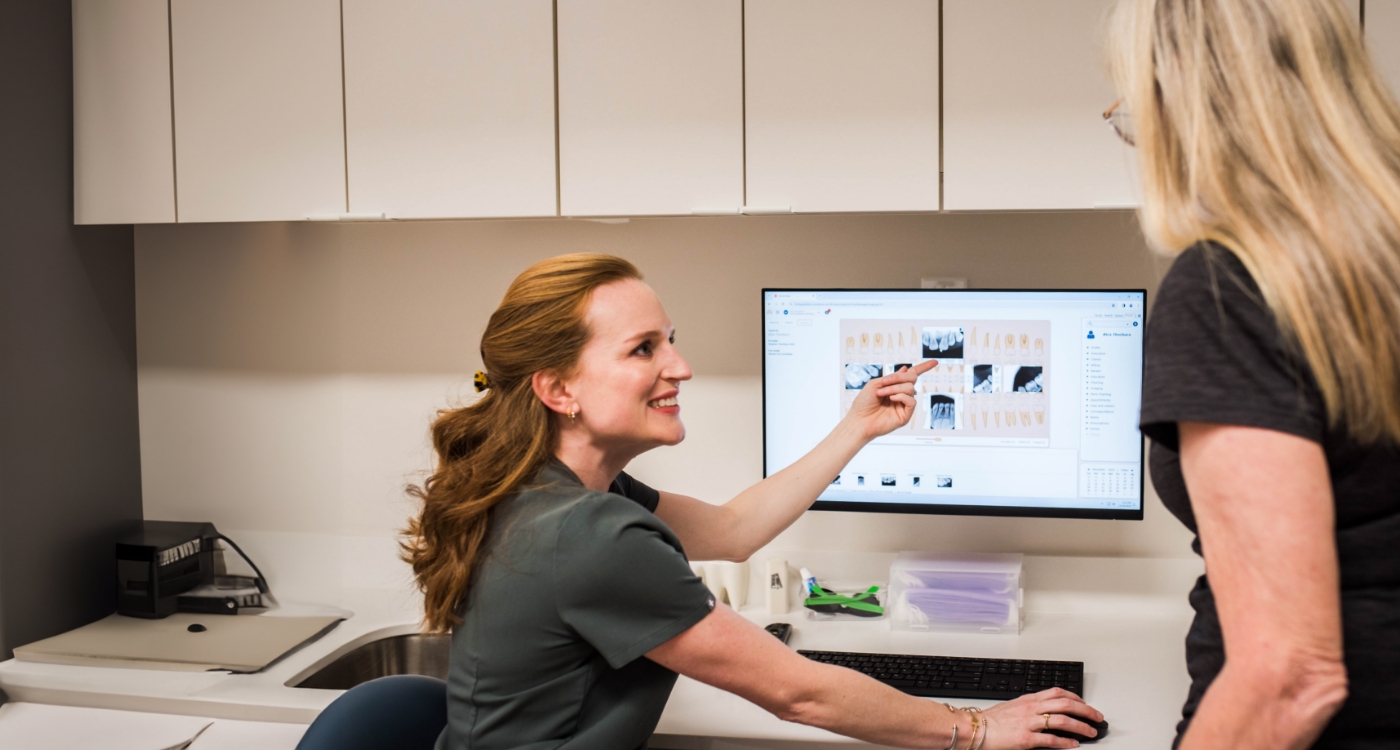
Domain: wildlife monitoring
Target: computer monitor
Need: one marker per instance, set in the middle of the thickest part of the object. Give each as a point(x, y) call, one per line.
point(1032, 409)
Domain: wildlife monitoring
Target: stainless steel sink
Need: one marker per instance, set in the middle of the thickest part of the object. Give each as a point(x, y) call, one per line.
point(402, 654)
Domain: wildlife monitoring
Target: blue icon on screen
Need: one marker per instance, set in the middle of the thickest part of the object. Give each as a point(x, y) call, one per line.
point(1091, 334)
point(1134, 324)
point(785, 312)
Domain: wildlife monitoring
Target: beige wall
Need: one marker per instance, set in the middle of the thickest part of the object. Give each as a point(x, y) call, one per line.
point(288, 371)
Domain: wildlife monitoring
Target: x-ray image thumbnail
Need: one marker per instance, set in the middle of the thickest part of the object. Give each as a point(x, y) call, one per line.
point(985, 379)
point(1027, 380)
point(858, 375)
point(887, 480)
point(945, 482)
point(943, 343)
point(944, 411)
point(892, 369)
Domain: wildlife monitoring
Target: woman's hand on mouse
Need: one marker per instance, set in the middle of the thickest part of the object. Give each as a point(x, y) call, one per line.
point(887, 403)
point(1020, 724)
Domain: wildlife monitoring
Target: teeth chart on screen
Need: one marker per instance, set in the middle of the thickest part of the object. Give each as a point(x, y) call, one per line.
point(990, 381)
point(1032, 403)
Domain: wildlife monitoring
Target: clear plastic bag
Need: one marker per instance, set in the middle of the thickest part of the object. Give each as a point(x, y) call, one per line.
point(976, 593)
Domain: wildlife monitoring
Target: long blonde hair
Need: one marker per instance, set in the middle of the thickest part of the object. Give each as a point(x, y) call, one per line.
point(1262, 125)
point(488, 450)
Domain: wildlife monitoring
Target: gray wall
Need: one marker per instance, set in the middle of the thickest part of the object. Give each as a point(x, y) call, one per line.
point(70, 476)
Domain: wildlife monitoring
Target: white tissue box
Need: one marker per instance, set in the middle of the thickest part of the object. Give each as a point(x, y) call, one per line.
point(967, 592)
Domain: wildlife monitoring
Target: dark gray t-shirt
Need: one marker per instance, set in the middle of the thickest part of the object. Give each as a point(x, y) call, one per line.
point(574, 587)
point(1215, 354)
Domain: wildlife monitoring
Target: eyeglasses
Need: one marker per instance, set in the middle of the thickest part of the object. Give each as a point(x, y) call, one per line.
point(1118, 118)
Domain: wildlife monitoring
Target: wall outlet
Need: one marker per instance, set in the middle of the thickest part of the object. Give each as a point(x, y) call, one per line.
point(943, 282)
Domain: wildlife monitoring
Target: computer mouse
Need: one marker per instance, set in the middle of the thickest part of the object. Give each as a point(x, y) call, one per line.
point(1102, 726)
point(196, 628)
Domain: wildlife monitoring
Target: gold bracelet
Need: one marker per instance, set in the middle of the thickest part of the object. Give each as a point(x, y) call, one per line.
point(976, 723)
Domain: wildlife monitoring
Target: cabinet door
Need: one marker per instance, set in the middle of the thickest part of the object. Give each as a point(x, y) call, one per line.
point(1383, 39)
point(1024, 90)
point(841, 104)
point(259, 122)
point(123, 152)
point(449, 107)
point(650, 106)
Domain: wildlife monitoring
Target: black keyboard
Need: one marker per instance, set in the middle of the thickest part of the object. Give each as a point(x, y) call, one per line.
point(960, 677)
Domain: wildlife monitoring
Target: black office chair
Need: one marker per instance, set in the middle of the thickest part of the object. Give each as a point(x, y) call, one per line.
point(402, 712)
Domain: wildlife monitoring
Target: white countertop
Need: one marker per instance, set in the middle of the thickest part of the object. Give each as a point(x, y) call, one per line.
point(1126, 619)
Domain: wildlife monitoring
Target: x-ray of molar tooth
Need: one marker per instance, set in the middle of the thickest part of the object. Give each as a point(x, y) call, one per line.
point(857, 375)
point(1025, 379)
point(984, 379)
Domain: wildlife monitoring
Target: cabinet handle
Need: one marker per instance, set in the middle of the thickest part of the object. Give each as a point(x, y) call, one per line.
point(348, 217)
point(765, 210)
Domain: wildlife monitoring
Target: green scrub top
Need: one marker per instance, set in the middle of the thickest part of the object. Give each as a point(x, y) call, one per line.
point(572, 589)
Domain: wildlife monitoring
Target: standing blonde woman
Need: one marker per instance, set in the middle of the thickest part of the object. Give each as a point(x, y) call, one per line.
point(1270, 151)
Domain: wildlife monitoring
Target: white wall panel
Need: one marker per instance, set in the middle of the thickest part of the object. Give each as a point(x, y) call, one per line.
point(842, 104)
point(123, 151)
point(1024, 92)
point(1383, 38)
point(650, 106)
point(259, 123)
point(449, 107)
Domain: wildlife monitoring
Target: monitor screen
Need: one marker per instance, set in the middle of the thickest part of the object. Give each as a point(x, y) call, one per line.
point(1032, 409)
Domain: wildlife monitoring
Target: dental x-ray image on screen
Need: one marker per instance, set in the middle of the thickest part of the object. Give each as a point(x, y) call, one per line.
point(943, 343)
point(985, 410)
point(857, 375)
point(1027, 380)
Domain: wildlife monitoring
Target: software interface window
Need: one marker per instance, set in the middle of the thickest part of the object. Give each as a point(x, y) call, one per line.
point(1033, 400)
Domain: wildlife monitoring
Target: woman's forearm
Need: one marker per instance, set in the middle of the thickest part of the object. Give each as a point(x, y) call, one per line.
point(755, 516)
point(854, 705)
point(1280, 706)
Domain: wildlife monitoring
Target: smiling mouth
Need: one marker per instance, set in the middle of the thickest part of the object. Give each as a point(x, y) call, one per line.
point(662, 403)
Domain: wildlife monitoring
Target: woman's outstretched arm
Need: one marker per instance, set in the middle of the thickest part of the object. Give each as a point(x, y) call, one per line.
point(738, 528)
point(1263, 505)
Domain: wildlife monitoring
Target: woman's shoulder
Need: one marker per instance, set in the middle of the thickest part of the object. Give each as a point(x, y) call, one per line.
point(1209, 267)
point(557, 498)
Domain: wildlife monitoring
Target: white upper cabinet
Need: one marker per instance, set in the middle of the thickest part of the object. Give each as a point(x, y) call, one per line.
point(650, 106)
point(449, 107)
point(1383, 39)
point(1024, 90)
point(842, 104)
point(259, 124)
point(123, 157)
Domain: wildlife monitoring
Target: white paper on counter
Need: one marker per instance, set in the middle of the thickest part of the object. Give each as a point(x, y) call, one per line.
point(34, 725)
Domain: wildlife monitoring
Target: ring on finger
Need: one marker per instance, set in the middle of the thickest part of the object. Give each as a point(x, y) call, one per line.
point(1047, 723)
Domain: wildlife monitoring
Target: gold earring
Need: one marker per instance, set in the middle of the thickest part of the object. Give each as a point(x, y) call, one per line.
point(571, 413)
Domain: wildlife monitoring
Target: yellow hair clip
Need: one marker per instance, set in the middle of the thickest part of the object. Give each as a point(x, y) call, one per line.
point(481, 381)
